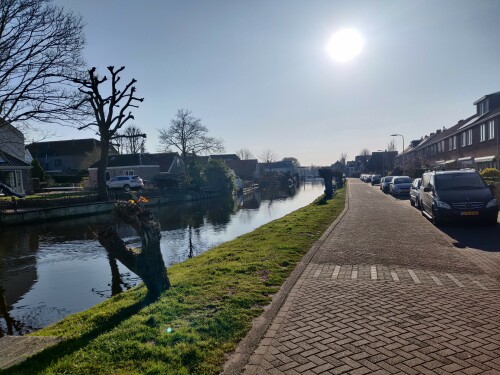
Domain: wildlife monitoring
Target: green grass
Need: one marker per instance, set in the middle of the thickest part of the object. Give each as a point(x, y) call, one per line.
point(210, 307)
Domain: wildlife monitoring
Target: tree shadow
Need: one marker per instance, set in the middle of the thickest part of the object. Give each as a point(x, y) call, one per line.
point(42, 360)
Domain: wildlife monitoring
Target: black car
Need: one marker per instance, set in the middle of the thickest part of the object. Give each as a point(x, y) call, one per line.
point(376, 179)
point(457, 195)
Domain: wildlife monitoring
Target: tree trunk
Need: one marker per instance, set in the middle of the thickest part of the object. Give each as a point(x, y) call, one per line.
point(327, 174)
point(101, 171)
point(146, 262)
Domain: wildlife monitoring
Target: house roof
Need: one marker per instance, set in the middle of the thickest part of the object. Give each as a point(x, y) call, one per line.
point(164, 160)
point(127, 160)
point(225, 157)
point(486, 96)
point(243, 167)
point(278, 164)
point(7, 160)
point(66, 147)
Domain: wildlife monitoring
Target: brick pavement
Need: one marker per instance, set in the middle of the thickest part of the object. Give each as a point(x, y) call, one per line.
point(404, 308)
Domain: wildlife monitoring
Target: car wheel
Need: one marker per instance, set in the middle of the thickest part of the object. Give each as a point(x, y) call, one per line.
point(435, 219)
point(412, 202)
point(126, 187)
point(417, 204)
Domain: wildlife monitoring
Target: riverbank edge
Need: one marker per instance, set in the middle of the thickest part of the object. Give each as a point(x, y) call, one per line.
point(204, 332)
point(90, 209)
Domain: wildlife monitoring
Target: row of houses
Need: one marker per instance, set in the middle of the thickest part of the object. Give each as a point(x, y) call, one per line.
point(470, 143)
point(79, 156)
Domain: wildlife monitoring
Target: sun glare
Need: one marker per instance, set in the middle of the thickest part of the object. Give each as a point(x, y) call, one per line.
point(345, 44)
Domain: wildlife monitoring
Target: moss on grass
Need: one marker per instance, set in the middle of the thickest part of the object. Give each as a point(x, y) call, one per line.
point(195, 324)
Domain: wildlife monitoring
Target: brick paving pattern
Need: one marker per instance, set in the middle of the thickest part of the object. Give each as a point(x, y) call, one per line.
point(363, 306)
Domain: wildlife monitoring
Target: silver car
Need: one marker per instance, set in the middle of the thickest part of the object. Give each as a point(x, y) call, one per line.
point(400, 185)
point(125, 182)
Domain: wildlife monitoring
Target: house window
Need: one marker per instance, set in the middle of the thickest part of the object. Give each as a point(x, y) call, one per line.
point(450, 144)
point(491, 129)
point(57, 162)
point(469, 137)
point(464, 139)
point(439, 147)
point(128, 173)
point(442, 146)
point(482, 133)
point(483, 107)
point(454, 142)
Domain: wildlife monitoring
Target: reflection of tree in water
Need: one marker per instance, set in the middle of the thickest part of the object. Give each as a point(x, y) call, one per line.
point(118, 284)
point(12, 326)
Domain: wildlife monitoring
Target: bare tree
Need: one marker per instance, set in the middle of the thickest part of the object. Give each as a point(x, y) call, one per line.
point(110, 113)
point(391, 146)
point(268, 156)
point(132, 140)
point(189, 136)
point(40, 46)
point(365, 152)
point(295, 161)
point(244, 154)
point(343, 158)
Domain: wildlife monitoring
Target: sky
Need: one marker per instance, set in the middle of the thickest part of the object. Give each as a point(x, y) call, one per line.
point(258, 75)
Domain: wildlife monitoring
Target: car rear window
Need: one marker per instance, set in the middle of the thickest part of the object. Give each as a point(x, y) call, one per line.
point(459, 181)
point(402, 180)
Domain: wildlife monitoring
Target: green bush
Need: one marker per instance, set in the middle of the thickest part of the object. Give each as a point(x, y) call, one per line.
point(490, 173)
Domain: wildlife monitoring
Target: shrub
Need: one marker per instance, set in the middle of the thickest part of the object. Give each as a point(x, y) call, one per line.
point(490, 173)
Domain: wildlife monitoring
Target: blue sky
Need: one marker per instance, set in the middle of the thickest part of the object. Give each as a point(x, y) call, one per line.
point(258, 75)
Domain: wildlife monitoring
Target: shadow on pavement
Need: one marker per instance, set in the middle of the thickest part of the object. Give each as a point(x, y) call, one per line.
point(476, 236)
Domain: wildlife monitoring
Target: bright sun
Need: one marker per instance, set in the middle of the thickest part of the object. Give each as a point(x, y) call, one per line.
point(345, 44)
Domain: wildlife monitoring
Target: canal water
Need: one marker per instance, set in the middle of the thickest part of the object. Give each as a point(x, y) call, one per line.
point(48, 271)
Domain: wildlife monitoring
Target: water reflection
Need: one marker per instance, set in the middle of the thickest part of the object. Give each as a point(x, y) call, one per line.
point(48, 271)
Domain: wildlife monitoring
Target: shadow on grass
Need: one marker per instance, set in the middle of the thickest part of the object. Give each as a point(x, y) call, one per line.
point(40, 361)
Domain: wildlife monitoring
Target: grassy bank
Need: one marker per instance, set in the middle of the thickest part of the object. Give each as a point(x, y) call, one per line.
point(193, 326)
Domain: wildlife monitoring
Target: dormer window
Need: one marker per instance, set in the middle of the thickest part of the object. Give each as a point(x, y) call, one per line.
point(482, 107)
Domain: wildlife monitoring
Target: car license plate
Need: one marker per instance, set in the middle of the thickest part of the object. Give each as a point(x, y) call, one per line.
point(469, 213)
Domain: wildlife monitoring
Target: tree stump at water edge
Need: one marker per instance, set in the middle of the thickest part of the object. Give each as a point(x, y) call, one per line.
point(327, 174)
point(146, 262)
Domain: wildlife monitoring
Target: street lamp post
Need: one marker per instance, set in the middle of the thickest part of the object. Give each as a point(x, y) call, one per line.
point(400, 135)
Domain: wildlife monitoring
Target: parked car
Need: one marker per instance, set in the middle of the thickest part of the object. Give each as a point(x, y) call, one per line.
point(385, 184)
point(400, 185)
point(376, 179)
point(415, 192)
point(457, 195)
point(125, 182)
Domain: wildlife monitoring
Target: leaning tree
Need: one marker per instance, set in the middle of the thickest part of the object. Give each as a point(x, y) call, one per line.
point(146, 262)
point(111, 112)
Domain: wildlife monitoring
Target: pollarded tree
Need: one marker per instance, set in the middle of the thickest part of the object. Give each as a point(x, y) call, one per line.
point(110, 109)
point(189, 136)
point(40, 46)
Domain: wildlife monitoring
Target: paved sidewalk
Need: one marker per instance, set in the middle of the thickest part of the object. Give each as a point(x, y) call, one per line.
point(387, 293)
